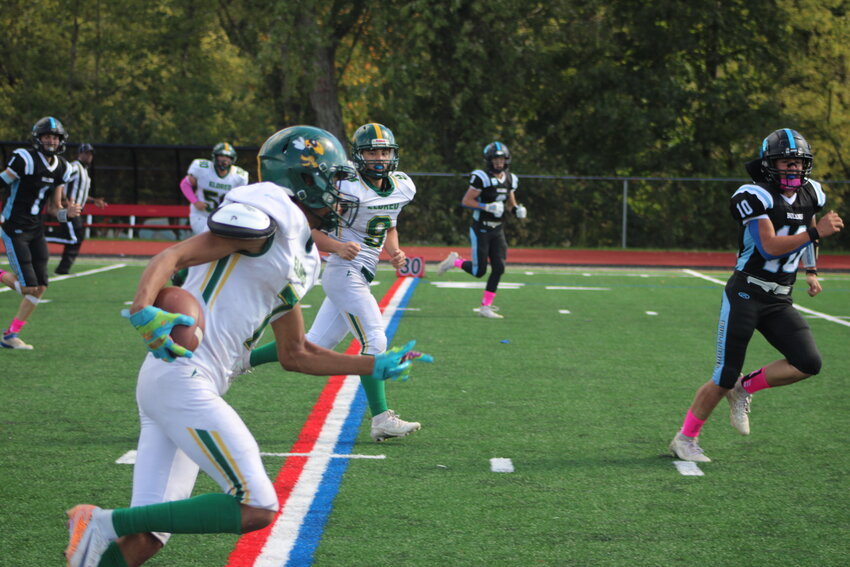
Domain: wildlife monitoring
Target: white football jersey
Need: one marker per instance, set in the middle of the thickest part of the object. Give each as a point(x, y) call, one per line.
point(376, 215)
point(211, 186)
point(241, 294)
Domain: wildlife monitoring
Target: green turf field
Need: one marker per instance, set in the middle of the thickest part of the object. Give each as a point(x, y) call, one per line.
point(582, 388)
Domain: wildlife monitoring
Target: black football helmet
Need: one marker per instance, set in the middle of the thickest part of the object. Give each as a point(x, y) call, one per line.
point(309, 163)
point(49, 125)
point(493, 150)
point(785, 143)
point(374, 136)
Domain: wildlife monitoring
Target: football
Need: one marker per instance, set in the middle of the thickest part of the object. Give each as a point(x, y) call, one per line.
point(178, 300)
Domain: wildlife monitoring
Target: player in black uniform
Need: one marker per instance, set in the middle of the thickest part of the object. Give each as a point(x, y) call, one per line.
point(71, 233)
point(778, 230)
point(490, 195)
point(37, 177)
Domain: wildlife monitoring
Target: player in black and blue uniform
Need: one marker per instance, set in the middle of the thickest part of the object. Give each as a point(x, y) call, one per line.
point(490, 194)
point(37, 178)
point(778, 231)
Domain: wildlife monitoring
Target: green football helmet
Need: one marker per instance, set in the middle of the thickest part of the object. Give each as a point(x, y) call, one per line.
point(374, 136)
point(309, 163)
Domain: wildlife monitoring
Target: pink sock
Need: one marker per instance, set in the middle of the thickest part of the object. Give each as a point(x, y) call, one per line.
point(459, 262)
point(692, 425)
point(16, 325)
point(2, 271)
point(488, 298)
point(754, 381)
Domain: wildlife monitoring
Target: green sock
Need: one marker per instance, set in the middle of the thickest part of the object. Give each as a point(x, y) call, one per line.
point(375, 394)
point(375, 389)
point(112, 557)
point(264, 354)
point(205, 514)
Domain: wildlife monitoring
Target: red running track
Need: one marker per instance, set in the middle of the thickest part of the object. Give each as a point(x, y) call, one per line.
point(558, 257)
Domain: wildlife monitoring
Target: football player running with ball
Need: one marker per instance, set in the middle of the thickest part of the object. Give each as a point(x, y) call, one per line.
point(490, 195)
point(250, 270)
point(778, 229)
point(349, 305)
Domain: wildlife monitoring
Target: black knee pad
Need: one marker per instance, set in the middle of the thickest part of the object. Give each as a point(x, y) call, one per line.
point(811, 364)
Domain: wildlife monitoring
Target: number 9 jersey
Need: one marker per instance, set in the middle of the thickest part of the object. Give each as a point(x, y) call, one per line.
point(378, 213)
point(788, 215)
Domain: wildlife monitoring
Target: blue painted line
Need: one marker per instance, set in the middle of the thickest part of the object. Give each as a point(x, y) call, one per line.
point(314, 523)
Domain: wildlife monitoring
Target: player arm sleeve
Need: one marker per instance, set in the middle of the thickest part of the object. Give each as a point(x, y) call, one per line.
point(188, 190)
point(8, 176)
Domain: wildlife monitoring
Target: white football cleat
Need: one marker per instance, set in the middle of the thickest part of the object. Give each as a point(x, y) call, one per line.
point(447, 264)
point(12, 341)
point(488, 312)
point(388, 424)
point(86, 543)
point(739, 408)
point(688, 449)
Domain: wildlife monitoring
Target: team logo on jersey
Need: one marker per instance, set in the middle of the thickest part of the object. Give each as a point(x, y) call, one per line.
point(795, 216)
point(743, 295)
point(304, 145)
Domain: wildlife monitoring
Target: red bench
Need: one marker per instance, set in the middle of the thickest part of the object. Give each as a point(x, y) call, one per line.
point(113, 217)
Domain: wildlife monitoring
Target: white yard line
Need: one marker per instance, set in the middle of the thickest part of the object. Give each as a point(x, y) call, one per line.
point(812, 312)
point(79, 275)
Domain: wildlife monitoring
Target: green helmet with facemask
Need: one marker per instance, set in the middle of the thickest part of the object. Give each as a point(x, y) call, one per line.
point(309, 163)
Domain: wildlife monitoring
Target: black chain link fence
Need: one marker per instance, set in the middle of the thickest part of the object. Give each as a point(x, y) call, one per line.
point(563, 211)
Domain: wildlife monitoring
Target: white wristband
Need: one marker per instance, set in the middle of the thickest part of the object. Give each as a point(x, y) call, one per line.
point(62, 215)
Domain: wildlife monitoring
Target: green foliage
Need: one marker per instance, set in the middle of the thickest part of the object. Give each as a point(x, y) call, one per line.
point(574, 87)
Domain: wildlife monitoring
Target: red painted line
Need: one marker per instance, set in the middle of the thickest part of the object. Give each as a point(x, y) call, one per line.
point(250, 545)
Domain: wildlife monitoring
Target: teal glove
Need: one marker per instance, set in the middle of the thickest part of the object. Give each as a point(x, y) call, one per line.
point(155, 326)
point(396, 362)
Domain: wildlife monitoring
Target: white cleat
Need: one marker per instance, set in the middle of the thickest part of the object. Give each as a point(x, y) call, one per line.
point(739, 408)
point(490, 313)
point(388, 424)
point(12, 341)
point(86, 543)
point(688, 449)
point(447, 264)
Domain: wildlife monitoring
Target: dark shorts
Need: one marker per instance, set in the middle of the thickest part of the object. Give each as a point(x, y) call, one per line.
point(28, 256)
point(747, 308)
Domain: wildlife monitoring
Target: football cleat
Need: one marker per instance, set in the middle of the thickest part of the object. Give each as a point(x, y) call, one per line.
point(86, 543)
point(12, 341)
point(739, 408)
point(688, 449)
point(488, 312)
point(447, 264)
point(388, 424)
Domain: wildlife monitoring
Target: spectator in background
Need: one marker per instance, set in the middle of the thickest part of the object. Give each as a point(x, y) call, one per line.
point(71, 233)
point(490, 194)
point(37, 177)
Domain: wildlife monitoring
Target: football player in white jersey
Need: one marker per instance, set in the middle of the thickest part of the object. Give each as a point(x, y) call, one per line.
point(349, 305)
point(248, 271)
point(207, 181)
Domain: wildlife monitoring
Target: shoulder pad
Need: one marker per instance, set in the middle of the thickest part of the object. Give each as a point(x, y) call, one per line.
point(238, 220)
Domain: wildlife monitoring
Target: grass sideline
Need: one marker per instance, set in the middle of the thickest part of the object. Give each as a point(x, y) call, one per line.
point(584, 403)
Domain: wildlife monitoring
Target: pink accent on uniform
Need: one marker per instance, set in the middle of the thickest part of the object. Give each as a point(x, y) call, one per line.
point(188, 192)
point(1, 273)
point(692, 425)
point(16, 326)
point(755, 381)
point(489, 296)
point(791, 182)
point(459, 262)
